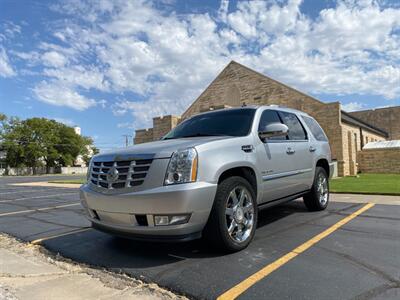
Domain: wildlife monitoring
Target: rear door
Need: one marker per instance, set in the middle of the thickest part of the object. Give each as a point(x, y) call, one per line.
point(299, 153)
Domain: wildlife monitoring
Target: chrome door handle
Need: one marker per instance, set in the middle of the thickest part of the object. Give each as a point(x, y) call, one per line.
point(290, 151)
point(312, 148)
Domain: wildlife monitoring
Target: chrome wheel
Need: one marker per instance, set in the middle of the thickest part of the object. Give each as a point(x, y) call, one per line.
point(322, 188)
point(239, 214)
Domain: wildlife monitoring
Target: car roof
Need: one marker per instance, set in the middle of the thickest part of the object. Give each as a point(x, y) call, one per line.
point(256, 107)
point(282, 108)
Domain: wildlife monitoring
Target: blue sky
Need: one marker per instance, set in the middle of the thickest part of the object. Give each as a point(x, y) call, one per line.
point(110, 66)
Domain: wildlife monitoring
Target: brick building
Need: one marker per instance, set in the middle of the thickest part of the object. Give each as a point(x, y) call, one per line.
point(237, 84)
point(387, 118)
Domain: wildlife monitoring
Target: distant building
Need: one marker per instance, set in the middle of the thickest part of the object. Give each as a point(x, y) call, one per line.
point(238, 84)
point(77, 130)
point(79, 162)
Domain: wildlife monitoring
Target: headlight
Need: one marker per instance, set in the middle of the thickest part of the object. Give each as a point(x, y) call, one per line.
point(182, 167)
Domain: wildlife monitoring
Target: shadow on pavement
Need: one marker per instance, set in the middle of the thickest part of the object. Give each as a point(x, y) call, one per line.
point(100, 249)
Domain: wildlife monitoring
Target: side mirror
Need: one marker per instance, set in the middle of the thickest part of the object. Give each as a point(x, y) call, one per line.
point(273, 129)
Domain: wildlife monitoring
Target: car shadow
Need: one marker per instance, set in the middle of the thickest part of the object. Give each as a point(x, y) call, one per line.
point(103, 250)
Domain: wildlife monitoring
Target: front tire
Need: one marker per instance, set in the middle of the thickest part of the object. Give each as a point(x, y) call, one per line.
point(318, 198)
point(233, 218)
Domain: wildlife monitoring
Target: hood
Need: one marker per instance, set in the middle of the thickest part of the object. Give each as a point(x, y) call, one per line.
point(152, 150)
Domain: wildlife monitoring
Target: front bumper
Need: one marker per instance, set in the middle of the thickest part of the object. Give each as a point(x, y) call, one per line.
point(116, 213)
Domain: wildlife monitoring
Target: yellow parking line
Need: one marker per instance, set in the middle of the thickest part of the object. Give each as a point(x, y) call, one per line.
point(253, 279)
point(38, 241)
point(37, 210)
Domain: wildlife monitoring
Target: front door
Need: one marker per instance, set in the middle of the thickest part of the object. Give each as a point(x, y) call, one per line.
point(276, 163)
point(298, 152)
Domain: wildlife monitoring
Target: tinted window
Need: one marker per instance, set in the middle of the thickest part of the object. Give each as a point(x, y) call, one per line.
point(235, 122)
point(296, 130)
point(315, 129)
point(268, 117)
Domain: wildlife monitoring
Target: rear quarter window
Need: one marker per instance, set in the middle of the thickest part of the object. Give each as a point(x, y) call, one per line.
point(315, 129)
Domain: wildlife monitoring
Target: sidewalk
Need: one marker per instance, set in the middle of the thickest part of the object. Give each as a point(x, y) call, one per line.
point(28, 273)
point(363, 198)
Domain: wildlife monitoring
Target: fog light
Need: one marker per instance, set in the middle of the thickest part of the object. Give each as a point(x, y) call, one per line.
point(161, 220)
point(171, 220)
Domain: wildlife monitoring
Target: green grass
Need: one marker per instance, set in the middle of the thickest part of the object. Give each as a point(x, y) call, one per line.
point(72, 181)
point(381, 184)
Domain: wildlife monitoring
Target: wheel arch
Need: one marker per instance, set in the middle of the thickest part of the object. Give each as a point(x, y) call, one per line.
point(323, 163)
point(245, 172)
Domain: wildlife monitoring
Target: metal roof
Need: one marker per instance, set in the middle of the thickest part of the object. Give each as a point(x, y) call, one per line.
point(383, 145)
point(346, 117)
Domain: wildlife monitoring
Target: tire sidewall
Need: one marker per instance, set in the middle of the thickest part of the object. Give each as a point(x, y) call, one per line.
point(320, 170)
point(220, 204)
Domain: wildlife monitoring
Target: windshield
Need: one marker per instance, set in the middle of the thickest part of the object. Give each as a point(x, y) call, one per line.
point(236, 122)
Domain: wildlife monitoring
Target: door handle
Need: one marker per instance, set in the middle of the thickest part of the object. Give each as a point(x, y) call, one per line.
point(312, 149)
point(290, 151)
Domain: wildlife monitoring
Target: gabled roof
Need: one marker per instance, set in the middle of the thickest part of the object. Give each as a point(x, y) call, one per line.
point(349, 119)
point(346, 117)
point(232, 62)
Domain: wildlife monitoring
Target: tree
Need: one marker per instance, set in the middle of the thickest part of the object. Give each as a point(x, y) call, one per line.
point(39, 141)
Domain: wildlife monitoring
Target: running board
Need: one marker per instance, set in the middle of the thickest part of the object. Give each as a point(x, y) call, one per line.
point(281, 200)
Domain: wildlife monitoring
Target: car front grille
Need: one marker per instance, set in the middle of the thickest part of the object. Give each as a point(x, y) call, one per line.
point(128, 173)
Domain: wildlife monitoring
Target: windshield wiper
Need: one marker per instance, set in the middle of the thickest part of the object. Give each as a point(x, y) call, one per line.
point(194, 135)
point(202, 134)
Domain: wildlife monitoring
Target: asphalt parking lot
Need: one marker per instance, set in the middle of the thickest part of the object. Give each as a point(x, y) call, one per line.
point(359, 260)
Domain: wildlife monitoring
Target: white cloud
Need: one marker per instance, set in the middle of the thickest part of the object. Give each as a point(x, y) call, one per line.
point(157, 62)
point(88, 77)
point(6, 70)
point(353, 106)
point(65, 121)
point(58, 94)
point(54, 59)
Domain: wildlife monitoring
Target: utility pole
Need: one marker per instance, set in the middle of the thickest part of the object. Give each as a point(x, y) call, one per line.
point(127, 136)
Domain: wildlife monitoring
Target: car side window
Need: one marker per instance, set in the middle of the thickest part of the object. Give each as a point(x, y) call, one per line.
point(296, 129)
point(268, 117)
point(315, 129)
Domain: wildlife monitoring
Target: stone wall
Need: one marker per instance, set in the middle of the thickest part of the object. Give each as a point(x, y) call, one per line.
point(387, 118)
point(351, 145)
point(161, 126)
point(379, 160)
point(143, 136)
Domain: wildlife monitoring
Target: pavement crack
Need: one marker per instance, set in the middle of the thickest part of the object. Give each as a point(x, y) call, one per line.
point(372, 269)
point(372, 217)
point(376, 291)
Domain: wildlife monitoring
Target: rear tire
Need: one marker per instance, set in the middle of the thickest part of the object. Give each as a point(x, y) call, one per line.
point(233, 218)
point(318, 197)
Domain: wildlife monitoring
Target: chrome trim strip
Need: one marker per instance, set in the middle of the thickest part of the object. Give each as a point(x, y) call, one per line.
point(122, 157)
point(285, 174)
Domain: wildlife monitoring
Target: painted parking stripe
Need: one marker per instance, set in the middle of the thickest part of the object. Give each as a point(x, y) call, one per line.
point(38, 209)
point(36, 197)
point(240, 288)
point(28, 191)
point(38, 241)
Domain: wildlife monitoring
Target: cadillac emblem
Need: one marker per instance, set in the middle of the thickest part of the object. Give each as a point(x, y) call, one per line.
point(112, 174)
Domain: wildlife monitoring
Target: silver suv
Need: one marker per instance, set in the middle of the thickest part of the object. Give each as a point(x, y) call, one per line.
point(209, 176)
